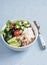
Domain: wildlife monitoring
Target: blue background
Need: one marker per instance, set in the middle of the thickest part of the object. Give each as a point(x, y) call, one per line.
point(28, 10)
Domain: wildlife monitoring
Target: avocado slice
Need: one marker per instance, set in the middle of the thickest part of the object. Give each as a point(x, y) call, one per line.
point(16, 44)
point(12, 39)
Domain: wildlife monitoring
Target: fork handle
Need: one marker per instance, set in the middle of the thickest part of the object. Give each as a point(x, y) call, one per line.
point(42, 41)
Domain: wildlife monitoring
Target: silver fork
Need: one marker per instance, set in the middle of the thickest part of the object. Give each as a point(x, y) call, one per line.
point(40, 36)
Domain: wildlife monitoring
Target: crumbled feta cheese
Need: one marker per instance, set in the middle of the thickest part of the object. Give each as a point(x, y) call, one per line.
point(29, 32)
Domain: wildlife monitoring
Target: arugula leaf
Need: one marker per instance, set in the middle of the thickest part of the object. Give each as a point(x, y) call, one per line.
point(8, 23)
point(3, 33)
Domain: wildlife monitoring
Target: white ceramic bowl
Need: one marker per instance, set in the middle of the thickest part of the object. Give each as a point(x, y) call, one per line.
point(24, 47)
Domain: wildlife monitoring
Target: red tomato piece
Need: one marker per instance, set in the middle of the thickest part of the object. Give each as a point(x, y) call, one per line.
point(16, 33)
point(12, 25)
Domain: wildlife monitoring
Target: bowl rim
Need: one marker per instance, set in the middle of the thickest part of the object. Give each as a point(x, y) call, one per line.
point(21, 46)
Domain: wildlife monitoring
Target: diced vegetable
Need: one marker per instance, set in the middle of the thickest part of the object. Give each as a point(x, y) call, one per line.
point(21, 31)
point(12, 25)
point(17, 33)
point(18, 23)
point(26, 24)
point(17, 27)
point(22, 28)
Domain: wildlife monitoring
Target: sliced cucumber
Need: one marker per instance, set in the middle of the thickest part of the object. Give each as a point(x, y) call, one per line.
point(18, 23)
point(22, 27)
point(17, 26)
point(21, 31)
point(26, 24)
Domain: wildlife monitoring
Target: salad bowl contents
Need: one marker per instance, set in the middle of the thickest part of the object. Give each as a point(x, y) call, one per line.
point(19, 35)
